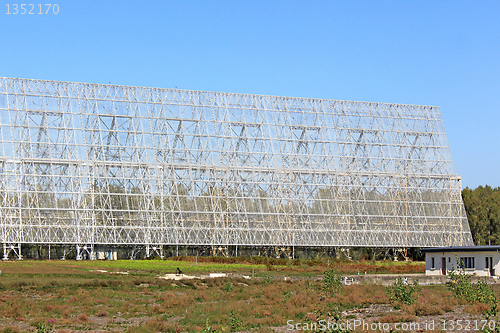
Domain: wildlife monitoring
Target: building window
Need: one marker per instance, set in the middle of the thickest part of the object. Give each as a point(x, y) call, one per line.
point(487, 262)
point(432, 263)
point(467, 262)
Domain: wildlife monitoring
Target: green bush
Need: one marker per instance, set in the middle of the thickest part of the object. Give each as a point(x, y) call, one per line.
point(228, 287)
point(332, 282)
point(234, 322)
point(461, 285)
point(483, 293)
point(403, 292)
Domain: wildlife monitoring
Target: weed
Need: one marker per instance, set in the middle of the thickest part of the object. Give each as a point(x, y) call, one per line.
point(234, 322)
point(312, 285)
point(333, 317)
point(300, 315)
point(491, 316)
point(403, 292)
point(268, 280)
point(332, 282)
point(41, 328)
point(461, 285)
point(286, 296)
point(228, 287)
point(208, 328)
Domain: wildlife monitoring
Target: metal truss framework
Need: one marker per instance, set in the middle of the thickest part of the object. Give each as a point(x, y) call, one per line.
point(89, 164)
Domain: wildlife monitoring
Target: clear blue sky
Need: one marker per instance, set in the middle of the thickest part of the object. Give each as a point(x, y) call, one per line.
point(444, 53)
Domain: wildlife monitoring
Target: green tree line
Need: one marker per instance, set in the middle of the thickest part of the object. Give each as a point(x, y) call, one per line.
point(483, 211)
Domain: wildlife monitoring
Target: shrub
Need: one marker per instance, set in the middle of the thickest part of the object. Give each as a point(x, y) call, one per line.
point(41, 328)
point(234, 322)
point(228, 287)
point(335, 318)
point(403, 292)
point(332, 282)
point(461, 285)
point(268, 280)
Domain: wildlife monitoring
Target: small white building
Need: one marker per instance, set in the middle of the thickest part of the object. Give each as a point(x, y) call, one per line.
point(475, 260)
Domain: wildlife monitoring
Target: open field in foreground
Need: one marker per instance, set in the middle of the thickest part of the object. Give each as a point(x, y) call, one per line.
point(128, 296)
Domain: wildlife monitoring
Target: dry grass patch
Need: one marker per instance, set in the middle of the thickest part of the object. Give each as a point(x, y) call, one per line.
point(83, 318)
point(160, 325)
point(11, 329)
point(102, 313)
point(397, 318)
point(433, 301)
point(476, 309)
point(358, 296)
point(421, 310)
point(176, 300)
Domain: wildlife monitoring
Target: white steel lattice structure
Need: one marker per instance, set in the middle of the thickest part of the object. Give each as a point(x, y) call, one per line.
point(87, 164)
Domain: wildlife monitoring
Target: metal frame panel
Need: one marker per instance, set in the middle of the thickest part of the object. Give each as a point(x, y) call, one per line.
point(104, 164)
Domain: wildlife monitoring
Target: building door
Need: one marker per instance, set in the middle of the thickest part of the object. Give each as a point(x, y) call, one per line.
point(489, 265)
point(443, 266)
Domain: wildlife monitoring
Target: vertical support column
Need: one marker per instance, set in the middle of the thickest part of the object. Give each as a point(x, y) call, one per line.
point(133, 253)
point(91, 252)
point(64, 253)
point(19, 255)
point(78, 253)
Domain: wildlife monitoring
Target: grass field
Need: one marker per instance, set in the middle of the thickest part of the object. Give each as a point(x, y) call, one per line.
point(72, 296)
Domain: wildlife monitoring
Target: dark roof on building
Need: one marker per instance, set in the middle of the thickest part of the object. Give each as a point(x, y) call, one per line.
point(482, 248)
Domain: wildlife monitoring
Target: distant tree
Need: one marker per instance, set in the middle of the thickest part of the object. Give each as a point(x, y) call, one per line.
point(483, 212)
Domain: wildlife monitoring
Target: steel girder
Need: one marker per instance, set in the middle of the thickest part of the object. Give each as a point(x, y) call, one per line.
point(104, 164)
